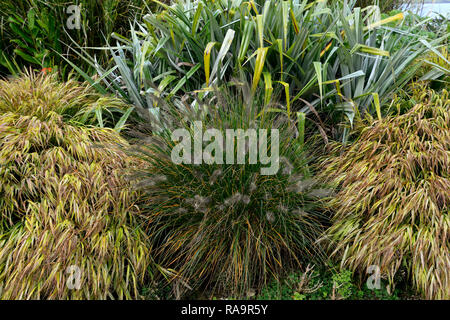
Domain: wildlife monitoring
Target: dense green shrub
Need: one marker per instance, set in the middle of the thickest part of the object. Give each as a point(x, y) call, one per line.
point(322, 284)
point(35, 32)
point(392, 207)
point(64, 202)
point(228, 227)
point(387, 5)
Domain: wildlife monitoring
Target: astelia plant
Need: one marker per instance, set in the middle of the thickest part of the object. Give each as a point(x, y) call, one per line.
point(325, 56)
point(196, 45)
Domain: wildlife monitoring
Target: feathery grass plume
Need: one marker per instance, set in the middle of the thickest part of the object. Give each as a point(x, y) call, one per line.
point(213, 223)
point(37, 95)
point(67, 215)
point(392, 206)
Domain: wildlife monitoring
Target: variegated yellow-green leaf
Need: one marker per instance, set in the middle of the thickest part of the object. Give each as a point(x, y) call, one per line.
point(397, 17)
point(207, 60)
point(261, 54)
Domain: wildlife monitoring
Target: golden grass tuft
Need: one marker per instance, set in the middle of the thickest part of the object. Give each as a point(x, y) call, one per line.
point(392, 209)
point(64, 202)
point(39, 95)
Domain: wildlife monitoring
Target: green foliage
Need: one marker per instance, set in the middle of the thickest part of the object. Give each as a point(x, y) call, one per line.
point(227, 227)
point(64, 202)
point(222, 228)
point(388, 5)
point(193, 45)
point(385, 59)
point(323, 284)
point(437, 68)
point(421, 24)
point(34, 38)
point(34, 32)
point(323, 56)
point(391, 209)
